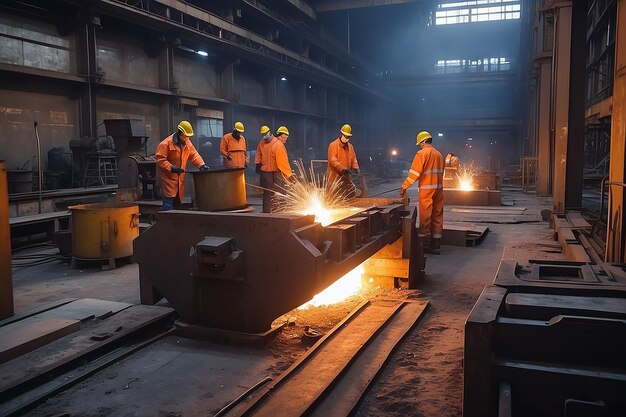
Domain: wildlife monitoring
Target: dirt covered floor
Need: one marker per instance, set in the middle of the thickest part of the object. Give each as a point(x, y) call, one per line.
point(423, 376)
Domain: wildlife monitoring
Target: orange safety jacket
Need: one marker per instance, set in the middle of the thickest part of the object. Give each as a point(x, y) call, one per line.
point(452, 161)
point(278, 159)
point(263, 154)
point(340, 156)
point(427, 167)
point(169, 153)
point(236, 149)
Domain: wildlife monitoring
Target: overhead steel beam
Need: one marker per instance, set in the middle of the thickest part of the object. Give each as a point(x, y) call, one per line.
point(303, 7)
point(201, 25)
point(447, 79)
point(336, 5)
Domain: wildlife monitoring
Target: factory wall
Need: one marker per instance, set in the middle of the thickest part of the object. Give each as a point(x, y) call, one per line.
point(44, 79)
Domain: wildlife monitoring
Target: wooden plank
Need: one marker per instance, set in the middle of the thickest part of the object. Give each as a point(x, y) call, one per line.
point(505, 212)
point(31, 333)
point(566, 235)
point(33, 311)
point(577, 220)
point(460, 234)
point(32, 367)
point(86, 308)
point(37, 218)
point(347, 393)
point(545, 306)
point(294, 394)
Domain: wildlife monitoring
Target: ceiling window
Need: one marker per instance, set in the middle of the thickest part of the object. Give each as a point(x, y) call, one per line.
point(452, 13)
point(451, 66)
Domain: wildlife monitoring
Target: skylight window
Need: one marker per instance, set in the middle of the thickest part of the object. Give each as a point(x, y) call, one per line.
point(450, 66)
point(477, 11)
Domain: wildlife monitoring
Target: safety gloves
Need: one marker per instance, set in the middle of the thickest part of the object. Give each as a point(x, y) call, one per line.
point(176, 169)
point(204, 167)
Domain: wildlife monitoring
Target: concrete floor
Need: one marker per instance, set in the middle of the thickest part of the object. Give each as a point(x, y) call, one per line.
point(179, 377)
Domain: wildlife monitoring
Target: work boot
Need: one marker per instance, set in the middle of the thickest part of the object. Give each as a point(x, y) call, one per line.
point(435, 246)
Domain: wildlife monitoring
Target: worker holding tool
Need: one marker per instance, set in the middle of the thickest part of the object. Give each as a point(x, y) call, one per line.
point(342, 162)
point(233, 148)
point(278, 166)
point(451, 170)
point(427, 168)
point(171, 158)
point(262, 161)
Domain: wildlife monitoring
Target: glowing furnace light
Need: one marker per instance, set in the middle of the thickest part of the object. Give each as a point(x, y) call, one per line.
point(465, 184)
point(345, 287)
point(466, 178)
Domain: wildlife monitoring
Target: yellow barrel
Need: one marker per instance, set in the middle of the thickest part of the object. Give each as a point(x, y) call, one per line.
point(104, 230)
point(223, 189)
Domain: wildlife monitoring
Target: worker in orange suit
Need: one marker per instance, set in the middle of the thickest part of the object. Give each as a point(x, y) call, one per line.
point(342, 162)
point(276, 172)
point(171, 158)
point(263, 168)
point(233, 148)
point(451, 171)
point(427, 168)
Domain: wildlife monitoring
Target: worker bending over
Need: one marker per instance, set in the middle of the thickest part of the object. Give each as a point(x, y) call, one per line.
point(233, 148)
point(451, 171)
point(342, 162)
point(427, 168)
point(171, 158)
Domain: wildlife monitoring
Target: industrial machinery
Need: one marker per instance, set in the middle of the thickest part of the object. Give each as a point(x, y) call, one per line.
point(240, 271)
point(136, 170)
point(547, 339)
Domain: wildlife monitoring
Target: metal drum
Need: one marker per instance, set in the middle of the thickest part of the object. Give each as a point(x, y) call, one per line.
point(224, 189)
point(104, 230)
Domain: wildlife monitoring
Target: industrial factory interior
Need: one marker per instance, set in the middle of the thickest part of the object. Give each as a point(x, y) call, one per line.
point(313, 207)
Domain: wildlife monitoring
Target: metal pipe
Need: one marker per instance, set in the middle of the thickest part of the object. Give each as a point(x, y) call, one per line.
point(242, 396)
point(39, 170)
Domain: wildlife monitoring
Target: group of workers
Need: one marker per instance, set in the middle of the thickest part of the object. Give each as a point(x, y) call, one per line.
point(272, 163)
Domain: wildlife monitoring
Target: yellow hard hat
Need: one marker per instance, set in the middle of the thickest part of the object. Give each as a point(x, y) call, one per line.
point(185, 128)
point(239, 127)
point(283, 129)
point(346, 130)
point(264, 129)
point(422, 136)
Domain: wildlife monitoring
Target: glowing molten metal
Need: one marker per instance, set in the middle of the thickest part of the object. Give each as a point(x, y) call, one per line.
point(346, 286)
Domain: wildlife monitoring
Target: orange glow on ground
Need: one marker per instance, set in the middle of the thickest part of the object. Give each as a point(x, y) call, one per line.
point(346, 286)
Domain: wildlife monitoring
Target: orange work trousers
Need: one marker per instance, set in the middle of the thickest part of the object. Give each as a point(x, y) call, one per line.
point(431, 213)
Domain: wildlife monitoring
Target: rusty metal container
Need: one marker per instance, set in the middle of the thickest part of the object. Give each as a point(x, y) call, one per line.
point(104, 230)
point(224, 189)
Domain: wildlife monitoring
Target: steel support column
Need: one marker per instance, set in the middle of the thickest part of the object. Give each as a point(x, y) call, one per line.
point(87, 65)
point(544, 146)
point(6, 281)
point(560, 99)
point(576, 123)
point(615, 247)
point(166, 82)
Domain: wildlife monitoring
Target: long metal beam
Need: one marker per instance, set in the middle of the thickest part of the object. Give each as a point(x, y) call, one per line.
point(615, 247)
point(334, 5)
point(200, 25)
